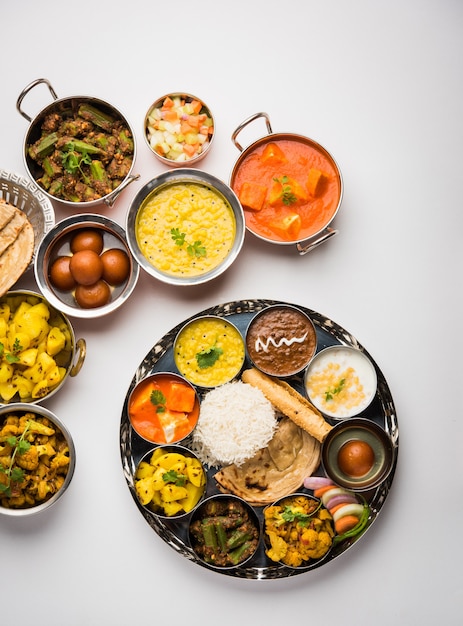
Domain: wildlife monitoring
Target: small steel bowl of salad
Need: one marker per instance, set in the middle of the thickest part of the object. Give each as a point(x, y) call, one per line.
point(179, 129)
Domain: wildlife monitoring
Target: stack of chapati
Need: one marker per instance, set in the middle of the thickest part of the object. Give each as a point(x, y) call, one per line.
point(16, 244)
point(275, 471)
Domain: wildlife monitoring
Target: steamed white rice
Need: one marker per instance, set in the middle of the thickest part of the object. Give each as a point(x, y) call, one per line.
point(235, 421)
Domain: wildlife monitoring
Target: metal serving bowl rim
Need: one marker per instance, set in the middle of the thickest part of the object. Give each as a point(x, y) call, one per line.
point(276, 136)
point(43, 411)
point(362, 484)
point(174, 447)
point(222, 320)
point(281, 306)
point(61, 229)
point(346, 348)
point(108, 198)
point(253, 514)
point(163, 159)
point(178, 376)
point(166, 179)
point(75, 344)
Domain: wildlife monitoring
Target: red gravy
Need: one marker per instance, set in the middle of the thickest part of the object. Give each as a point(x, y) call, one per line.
point(304, 206)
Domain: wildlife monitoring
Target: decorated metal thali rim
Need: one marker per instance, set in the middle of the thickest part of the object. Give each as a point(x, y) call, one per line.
point(169, 531)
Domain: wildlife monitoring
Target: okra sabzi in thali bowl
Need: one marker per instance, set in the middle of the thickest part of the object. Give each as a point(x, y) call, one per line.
point(79, 150)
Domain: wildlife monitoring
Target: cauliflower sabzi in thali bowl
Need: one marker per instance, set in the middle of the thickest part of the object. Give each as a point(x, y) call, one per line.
point(37, 459)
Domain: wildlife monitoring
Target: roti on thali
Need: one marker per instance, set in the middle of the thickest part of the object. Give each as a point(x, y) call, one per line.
point(275, 471)
point(16, 244)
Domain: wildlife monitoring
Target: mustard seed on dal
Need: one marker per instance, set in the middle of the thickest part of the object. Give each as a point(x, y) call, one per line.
point(209, 351)
point(185, 229)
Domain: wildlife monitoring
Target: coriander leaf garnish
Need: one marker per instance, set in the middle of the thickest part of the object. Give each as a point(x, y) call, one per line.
point(19, 446)
point(287, 195)
point(11, 357)
point(159, 400)
point(172, 476)
point(330, 393)
point(195, 249)
point(208, 356)
point(73, 161)
point(291, 515)
point(177, 236)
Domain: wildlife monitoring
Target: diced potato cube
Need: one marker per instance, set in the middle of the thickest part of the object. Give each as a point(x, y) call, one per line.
point(55, 341)
point(158, 480)
point(144, 470)
point(7, 391)
point(28, 357)
point(53, 377)
point(23, 385)
point(3, 326)
point(5, 311)
point(6, 372)
point(144, 490)
point(22, 308)
point(195, 475)
point(194, 494)
point(172, 493)
point(169, 459)
point(18, 341)
point(172, 508)
point(41, 389)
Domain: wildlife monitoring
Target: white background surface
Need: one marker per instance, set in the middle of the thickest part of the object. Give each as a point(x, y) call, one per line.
point(379, 84)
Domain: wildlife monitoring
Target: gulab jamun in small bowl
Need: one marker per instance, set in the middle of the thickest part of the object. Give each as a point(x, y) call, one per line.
point(358, 454)
point(84, 266)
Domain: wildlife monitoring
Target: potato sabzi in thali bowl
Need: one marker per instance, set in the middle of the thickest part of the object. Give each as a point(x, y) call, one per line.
point(261, 441)
point(290, 188)
point(79, 149)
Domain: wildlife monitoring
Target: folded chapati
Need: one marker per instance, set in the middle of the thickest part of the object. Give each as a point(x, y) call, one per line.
point(16, 245)
point(275, 471)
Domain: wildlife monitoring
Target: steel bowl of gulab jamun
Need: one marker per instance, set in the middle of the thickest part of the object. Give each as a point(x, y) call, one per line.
point(84, 266)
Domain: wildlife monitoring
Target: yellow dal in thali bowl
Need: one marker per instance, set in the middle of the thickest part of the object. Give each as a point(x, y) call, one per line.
point(209, 351)
point(185, 227)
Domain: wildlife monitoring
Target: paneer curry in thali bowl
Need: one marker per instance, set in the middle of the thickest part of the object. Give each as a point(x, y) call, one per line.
point(290, 187)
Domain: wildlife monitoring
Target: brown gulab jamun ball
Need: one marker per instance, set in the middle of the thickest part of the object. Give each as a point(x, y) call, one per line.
point(116, 266)
point(87, 239)
point(60, 274)
point(93, 296)
point(356, 458)
point(86, 267)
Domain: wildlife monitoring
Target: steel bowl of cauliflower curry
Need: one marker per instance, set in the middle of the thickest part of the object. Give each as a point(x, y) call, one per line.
point(37, 459)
